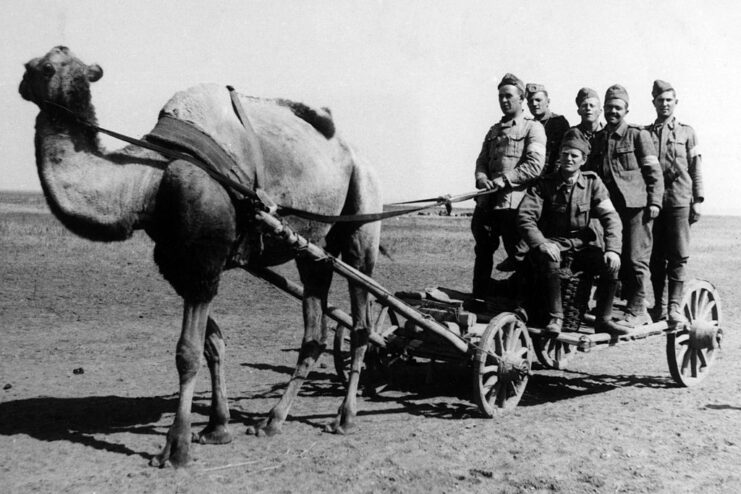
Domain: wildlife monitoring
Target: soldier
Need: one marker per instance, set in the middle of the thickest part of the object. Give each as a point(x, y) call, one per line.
point(625, 159)
point(681, 163)
point(554, 218)
point(588, 108)
point(512, 155)
point(555, 125)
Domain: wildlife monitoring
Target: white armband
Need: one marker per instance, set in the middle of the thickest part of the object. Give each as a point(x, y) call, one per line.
point(536, 148)
point(650, 160)
point(605, 206)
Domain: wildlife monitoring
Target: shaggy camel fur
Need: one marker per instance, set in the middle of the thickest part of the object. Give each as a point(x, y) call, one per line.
point(197, 228)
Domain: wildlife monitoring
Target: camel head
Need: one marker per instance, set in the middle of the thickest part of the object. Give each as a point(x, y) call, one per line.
point(59, 77)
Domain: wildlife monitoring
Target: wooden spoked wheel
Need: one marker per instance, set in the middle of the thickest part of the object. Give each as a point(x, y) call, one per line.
point(384, 322)
point(692, 347)
point(502, 364)
point(552, 353)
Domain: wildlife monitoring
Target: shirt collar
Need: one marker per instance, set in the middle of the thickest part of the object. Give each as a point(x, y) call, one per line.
point(585, 130)
point(670, 122)
point(620, 129)
point(578, 180)
point(517, 120)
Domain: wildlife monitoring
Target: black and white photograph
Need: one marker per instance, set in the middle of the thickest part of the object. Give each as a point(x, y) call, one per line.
point(370, 246)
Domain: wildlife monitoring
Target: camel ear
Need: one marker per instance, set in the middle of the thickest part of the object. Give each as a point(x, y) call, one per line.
point(94, 72)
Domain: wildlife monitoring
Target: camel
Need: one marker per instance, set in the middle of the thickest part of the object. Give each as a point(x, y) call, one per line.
point(199, 230)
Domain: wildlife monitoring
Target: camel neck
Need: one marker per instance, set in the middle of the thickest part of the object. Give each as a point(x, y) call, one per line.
point(92, 195)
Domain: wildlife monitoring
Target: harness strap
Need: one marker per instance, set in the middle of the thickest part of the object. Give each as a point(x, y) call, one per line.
point(258, 196)
point(183, 136)
point(252, 140)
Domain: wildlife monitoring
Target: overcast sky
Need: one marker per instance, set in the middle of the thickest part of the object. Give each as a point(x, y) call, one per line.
point(411, 84)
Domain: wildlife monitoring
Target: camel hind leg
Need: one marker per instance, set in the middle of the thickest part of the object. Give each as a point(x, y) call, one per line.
point(359, 250)
point(217, 430)
point(359, 246)
point(316, 277)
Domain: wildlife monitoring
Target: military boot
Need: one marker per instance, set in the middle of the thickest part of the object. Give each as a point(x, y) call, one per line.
point(658, 311)
point(675, 299)
point(603, 322)
point(555, 305)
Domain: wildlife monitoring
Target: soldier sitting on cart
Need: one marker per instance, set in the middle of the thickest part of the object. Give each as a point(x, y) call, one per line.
point(553, 219)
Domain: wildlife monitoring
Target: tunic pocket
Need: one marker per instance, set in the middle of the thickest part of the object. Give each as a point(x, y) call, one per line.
point(581, 215)
point(625, 156)
point(515, 146)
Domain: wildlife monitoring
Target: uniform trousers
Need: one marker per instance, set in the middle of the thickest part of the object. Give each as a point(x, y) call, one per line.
point(589, 260)
point(634, 270)
point(488, 226)
point(671, 241)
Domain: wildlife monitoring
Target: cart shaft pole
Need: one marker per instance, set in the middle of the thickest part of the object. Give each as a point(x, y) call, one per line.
point(295, 290)
point(316, 253)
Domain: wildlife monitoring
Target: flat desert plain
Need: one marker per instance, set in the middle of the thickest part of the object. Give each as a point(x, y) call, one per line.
point(89, 384)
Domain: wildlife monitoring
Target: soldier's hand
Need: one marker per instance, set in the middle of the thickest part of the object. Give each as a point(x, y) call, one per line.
point(612, 261)
point(499, 183)
point(484, 183)
point(653, 212)
point(695, 212)
point(551, 250)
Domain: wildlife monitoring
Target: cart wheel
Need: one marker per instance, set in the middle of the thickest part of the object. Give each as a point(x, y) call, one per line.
point(552, 353)
point(502, 364)
point(384, 322)
point(691, 349)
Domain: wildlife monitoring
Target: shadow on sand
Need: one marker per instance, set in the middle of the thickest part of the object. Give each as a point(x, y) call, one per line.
point(418, 389)
point(78, 420)
point(84, 420)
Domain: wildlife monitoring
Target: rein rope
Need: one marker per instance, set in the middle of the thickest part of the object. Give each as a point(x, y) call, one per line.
point(258, 196)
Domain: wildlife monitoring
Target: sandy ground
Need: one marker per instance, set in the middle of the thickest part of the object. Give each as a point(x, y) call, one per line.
point(89, 381)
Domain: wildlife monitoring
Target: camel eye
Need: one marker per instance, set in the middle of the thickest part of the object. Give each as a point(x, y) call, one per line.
point(48, 69)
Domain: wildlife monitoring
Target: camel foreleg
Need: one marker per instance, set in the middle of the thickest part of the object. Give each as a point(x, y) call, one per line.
point(190, 347)
point(217, 430)
point(316, 278)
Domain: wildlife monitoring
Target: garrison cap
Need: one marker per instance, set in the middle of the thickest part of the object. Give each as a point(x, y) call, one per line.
point(576, 140)
point(512, 80)
point(533, 88)
point(584, 93)
point(660, 87)
point(617, 91)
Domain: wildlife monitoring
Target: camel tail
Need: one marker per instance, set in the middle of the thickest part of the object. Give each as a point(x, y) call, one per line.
point(383, 251)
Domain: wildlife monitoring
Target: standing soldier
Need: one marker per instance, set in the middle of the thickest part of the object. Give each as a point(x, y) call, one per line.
point(680, 161)
point(588, 108)
point(512, 155)
point(625, 158)
point(554, 219)
point(555, 125)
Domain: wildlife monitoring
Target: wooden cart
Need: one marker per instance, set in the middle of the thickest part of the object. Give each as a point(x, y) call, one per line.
point(499, 346)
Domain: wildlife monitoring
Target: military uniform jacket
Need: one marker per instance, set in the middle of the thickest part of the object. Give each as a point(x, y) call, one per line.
point(515, 150)
point(588, 133)
point(626, 161)
point(555, 127)
point(680, 160)
point(558, 212)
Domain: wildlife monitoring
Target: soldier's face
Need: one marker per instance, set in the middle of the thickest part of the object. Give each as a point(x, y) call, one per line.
point(538, 104)
point(589, 110)
point(665, 104)
point(571, 160)
point(510, 100)
point(615, 110)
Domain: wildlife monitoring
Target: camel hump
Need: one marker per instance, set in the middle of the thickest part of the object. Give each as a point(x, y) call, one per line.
point(319, 118)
